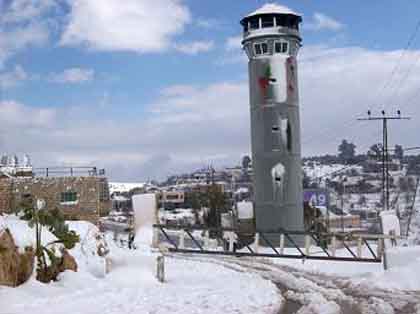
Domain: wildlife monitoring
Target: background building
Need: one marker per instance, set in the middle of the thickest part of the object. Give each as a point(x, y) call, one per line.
point(84, 197)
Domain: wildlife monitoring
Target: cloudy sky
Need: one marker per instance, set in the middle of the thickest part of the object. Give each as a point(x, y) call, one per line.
point(152, 88)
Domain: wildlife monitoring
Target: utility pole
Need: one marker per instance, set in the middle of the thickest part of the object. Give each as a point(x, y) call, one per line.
point(385, 151)
point(412, 207)
point(343, 182)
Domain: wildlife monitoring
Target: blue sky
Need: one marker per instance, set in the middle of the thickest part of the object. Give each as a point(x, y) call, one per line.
point(150, 88)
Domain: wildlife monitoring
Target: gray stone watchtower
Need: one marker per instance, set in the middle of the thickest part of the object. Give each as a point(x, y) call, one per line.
point(271, 39)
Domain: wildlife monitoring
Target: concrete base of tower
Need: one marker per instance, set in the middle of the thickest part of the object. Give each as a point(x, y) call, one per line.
point(271, 218)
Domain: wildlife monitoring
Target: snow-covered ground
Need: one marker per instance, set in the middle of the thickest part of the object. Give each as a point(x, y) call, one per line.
point(216, 285)
point(402, 273)
point(312, 293)
point(131, 286)
point(191, 287)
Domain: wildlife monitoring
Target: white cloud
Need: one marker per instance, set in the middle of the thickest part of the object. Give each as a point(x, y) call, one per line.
point(73, 76)
point(21, 37)
point(338, 85)
point(25, 10)
point(233, 43)
point(321, 21)
point(21, 26)
point(233, 52)
point(200, 104)
point(12, 78)
point(19, 118)
point(208, 23)
point(195, 47)
point(191, 125)
point(131, 25)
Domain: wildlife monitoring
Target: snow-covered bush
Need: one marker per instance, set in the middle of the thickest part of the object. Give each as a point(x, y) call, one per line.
point(49, 256)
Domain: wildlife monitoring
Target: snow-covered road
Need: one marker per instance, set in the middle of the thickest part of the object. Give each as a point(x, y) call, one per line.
point(312, 293)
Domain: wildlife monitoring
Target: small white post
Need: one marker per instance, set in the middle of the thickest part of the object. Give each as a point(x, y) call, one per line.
point(182, 240)
point(282, 244)
point(333, 245)
point(307, 244)
point(108, 265)
point(257, 242)
point(380, 247)
point(359, 247)
point(160, 268)
point(155, 238)
point(384, 257)
point(231, 241)
point(206, 240)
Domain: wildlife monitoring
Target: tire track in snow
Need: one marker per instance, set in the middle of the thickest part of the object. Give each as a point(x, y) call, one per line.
point(304, 292)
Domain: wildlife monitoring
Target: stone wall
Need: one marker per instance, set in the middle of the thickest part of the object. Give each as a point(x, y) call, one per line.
point(92, 199)
point(5, 195)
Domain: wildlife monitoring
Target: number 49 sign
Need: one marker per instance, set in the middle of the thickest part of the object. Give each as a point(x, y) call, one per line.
point(316, 197)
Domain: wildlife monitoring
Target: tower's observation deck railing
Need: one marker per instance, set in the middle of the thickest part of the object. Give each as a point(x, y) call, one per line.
point(269, 32)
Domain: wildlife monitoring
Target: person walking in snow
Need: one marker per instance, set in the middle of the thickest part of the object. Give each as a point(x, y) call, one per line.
point(131, 237)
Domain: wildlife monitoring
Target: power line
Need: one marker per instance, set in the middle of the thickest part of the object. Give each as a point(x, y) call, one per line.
point(407, 149)
point(397, 90)
point(384, 86)
point(397, 65)
point(411, 148)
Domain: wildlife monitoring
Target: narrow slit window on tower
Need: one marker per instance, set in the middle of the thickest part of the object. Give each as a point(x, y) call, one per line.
point(289, 137)
point(275, 128)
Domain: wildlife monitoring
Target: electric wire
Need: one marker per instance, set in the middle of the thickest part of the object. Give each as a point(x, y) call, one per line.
point(380, 91)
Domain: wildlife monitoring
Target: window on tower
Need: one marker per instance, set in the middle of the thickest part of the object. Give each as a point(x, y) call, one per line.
point(267, 21)
point(254, 23)
point(257, 48)
point(281, 20)
point(281, 47)
point(248, 50)
point(294, 47)
point(294, 23)
point(261, 48)
point(264, 48)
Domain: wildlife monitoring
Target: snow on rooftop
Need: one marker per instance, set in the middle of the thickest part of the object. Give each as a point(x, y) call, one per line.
point(245, 210)
point(124, 187)
point(273, 8)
